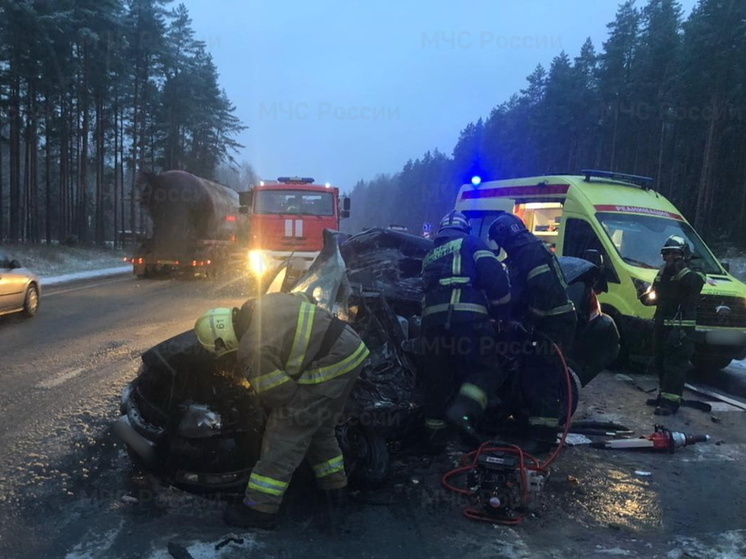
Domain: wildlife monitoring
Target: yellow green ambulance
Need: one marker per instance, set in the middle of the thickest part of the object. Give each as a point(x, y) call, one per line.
point(627, 221)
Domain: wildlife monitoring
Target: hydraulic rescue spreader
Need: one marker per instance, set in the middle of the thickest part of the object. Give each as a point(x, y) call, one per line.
point(660, 439)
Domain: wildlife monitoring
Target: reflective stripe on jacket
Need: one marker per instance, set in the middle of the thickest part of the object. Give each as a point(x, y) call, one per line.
point(279, 349)
point(538, 288)
point(463, 280)
point(677, 291)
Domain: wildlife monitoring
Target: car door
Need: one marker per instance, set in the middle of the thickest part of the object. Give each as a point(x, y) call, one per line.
point(11, 285)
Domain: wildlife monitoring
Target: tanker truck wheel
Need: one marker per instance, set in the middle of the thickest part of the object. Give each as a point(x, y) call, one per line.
point(145, 272)
point(218, 271)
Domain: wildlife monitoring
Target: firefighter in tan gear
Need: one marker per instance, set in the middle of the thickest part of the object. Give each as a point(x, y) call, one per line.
point(302, 362)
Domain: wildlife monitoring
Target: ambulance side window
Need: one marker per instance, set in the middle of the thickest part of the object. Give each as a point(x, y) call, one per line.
point(579, 237)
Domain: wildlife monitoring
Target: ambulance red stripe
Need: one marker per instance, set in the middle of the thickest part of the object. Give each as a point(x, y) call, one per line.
point(521, 191)
point(637, 210)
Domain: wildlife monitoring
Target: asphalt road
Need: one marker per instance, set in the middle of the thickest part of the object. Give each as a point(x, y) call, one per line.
point(62, 372)
point(68, 489)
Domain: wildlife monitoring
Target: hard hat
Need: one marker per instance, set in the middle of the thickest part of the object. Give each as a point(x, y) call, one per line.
point(676, 243)
point(506, 227)
point(455, 220)
point(215, 331)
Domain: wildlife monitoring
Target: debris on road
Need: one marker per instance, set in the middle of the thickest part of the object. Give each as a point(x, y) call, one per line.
point(600, 428)
point(232, 538)
point(717, 395)
point(178, 551)
point(575, 439)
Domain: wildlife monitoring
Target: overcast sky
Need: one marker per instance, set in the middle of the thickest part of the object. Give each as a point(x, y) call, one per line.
point(341, 91)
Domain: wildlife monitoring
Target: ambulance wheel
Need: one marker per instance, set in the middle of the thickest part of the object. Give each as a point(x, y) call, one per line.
point(707, 364)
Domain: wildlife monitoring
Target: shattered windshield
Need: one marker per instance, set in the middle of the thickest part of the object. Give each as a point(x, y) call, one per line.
point(638, 240)
point(294, 201)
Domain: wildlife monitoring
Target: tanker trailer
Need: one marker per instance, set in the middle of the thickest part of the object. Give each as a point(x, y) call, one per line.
point(197, 228)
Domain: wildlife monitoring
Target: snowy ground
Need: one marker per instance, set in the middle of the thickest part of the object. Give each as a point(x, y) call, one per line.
point(59, 263)
point(48, 261)
point(737, 265)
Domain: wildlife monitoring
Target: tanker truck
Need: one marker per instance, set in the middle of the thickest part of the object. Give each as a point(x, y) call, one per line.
point(197, 230)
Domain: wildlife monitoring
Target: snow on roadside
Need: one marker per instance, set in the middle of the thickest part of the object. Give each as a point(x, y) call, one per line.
point(52, 261)
point(100, 273)
point(737, 267)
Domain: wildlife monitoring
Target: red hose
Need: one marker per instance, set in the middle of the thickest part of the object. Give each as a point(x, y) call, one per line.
point(475, 514)
point(568, 415)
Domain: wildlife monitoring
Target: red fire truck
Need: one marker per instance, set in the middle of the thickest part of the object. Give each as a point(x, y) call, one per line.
point(287, 218)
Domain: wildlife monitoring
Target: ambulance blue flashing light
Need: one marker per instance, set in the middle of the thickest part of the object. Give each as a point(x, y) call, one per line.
point(476, 180)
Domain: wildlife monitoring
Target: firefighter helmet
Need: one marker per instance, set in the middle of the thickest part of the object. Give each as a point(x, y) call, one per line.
point(506, 227)
point(455, 220)
point(215, 331)
point(676, 244)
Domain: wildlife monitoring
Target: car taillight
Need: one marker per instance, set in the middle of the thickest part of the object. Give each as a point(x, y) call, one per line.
point(594, 307)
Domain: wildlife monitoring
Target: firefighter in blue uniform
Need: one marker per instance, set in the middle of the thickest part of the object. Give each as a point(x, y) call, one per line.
point(539, 302)
point(676, 289)
point(465, 285)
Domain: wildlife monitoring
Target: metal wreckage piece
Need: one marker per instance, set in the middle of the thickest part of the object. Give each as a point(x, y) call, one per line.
point(383, 268)
point(193, 420)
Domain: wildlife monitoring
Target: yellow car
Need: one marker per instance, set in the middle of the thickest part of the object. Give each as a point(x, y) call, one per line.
point(624, 219)
point(19, 287)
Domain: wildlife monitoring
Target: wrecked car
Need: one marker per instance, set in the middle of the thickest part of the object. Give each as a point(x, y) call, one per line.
point(196, 421)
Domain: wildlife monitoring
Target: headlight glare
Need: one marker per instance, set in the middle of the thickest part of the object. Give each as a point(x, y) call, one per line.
point(258, 262)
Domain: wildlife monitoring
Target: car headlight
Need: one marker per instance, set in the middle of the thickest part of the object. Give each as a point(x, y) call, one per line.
point(199, 421)
point(259, 262)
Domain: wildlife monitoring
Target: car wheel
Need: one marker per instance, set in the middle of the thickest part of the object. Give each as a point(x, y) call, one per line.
point(31, 302)
point(366, 456)
point(706, 364)
point(622, 360)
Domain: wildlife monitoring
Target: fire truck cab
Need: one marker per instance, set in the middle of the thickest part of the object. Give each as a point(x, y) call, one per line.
point(287, 218)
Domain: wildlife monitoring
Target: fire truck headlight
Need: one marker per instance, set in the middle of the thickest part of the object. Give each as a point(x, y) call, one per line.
point(259, 262)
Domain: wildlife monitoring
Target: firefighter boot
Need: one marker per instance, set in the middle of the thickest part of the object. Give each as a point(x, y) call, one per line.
point(666, 407)
point(541, 439)
point(331, 518)
point(436, 437)
point(461, 415)
point(335, 498)
point(239, 514)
